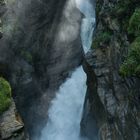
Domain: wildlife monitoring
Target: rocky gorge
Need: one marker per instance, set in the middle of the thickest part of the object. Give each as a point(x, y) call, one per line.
point(11, 124)
point(40, 46)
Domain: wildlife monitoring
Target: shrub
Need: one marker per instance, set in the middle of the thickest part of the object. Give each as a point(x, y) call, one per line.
point(123, 10)
point(5, 95)
point(134, 23)
point(102, 38)
point(131, 66)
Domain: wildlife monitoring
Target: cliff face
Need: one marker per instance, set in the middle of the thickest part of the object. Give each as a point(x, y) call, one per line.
point(38, 53)
point(2, 11)
point(11, 125)
point(112, 100)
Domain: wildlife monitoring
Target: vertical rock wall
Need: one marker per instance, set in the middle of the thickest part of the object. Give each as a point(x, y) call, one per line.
point(113, 101)
point(11, 125)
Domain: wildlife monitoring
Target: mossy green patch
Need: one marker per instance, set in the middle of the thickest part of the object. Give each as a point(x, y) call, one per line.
point(5, 95)
point(102, 38)
point(123, 11)
point(122, 7)
point(131, 66)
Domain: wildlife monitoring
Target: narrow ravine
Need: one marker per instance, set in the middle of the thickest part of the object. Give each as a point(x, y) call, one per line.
point(66, 109)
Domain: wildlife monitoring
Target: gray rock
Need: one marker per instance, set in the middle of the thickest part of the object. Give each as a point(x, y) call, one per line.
point(11, 125)
point(111, 101)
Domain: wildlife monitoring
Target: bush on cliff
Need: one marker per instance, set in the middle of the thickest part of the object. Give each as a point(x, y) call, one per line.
point(134, 23)
point(5, 95)
point(101, 39)
point(122, 8)
point(131, 66)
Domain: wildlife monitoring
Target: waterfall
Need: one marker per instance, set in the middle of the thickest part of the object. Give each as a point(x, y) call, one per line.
point(66, 109)
point(88, 23)
point(65, 112)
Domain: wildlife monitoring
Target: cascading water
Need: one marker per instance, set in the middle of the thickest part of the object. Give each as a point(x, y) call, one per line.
point(66, 109)
point(88, 22)
point(65, 113)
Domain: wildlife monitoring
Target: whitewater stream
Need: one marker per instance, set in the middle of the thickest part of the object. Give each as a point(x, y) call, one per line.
point(66, 109)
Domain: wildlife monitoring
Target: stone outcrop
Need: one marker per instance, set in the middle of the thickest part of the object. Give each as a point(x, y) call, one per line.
point(111, 101)
point(11, 125)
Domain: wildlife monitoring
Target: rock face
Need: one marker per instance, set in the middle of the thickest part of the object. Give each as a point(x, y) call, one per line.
point(11, 125)
point(38, 55)
point(2, 11)
point(113, 101)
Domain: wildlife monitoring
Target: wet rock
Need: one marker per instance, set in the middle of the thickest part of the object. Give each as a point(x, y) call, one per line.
point(2, 11)
point(11, 125)
point(111, 99)
point(107, 101)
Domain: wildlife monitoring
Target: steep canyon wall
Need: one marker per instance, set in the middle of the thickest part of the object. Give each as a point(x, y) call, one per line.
point(112, 100)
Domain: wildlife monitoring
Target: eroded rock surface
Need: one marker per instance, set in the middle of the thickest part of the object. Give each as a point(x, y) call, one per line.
point(112, 101)
point(11, 125)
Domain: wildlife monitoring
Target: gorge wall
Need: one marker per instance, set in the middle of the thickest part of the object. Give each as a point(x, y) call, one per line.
point(112, 98)
point(11, 124)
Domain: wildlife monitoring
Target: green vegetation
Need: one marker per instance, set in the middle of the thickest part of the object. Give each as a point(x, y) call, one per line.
point(125, 17)
point(102, 38)
point(98, 7)
point(134, 23)
point(5, 95)
point(122, 7)
point(131, 66)
point(123, 11)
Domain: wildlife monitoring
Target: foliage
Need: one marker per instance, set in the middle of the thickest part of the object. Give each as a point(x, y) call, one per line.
point(131, 66)
point(5, 95)
point(122, 7)
point(123, 11)
point(134, 23)
point(102, 38)
point(98, 7)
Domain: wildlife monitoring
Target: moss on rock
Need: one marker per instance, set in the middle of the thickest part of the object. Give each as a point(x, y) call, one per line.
point(101, 39)
point(5, 95)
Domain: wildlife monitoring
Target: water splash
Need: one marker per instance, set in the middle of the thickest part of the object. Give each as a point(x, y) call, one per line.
point(66, 109)
point(88, 23)
point(68, 29)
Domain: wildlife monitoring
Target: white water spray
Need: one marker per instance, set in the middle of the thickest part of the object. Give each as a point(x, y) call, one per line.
point(66, 109)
